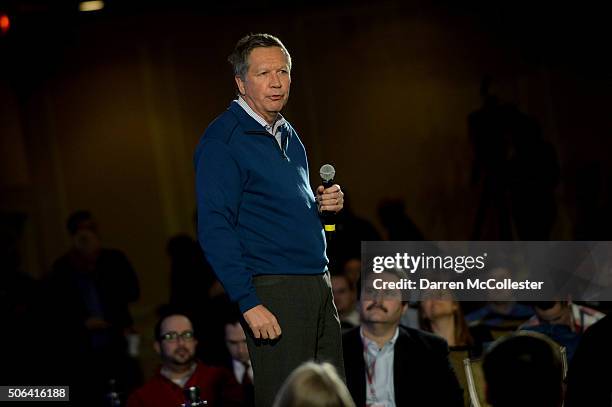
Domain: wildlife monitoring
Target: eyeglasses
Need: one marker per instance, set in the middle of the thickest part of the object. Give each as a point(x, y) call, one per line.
point(173, 336)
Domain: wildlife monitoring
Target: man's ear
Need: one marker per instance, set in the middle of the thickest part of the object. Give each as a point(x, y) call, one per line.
point(404, 307)
point(240, 84)
point(157, 347)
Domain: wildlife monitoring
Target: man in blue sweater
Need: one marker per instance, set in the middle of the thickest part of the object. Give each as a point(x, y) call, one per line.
point(259, 225)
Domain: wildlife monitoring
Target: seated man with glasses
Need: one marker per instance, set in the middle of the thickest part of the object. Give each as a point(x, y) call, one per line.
point(176, 344)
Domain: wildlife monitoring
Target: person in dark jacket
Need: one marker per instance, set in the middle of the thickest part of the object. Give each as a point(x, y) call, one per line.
point(391, 365)
point(585, 381)
point(89, 291)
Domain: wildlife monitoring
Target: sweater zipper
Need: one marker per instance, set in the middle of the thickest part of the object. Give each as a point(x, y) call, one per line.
point(283, 155)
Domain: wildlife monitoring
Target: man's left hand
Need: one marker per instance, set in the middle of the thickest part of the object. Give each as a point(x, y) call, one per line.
point(330, 199)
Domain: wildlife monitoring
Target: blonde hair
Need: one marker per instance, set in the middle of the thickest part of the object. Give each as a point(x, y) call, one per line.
point(314, 385)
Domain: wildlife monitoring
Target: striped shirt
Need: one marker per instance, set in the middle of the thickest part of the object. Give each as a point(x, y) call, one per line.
point(274, 129)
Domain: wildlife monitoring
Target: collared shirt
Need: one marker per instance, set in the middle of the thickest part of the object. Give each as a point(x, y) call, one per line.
point(239, 370)
point(380, 389)
point(274, 129)
point(180, 382)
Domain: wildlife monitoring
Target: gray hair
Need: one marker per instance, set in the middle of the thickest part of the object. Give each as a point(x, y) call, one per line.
point(239, 58)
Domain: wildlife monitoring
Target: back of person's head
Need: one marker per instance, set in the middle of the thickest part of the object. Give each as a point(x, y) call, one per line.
point(524, 369)
point(314, 385)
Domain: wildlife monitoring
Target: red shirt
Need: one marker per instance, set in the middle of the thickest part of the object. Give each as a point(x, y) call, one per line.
point(217, 386)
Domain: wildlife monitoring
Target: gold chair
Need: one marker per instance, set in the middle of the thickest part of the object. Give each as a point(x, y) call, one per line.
point(475, 376)
point(475, 382)
point(457, 356)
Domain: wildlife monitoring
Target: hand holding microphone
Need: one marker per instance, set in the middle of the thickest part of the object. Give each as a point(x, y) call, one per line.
point(329, 197)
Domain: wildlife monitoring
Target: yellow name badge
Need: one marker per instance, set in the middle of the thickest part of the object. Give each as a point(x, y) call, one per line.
point(330, 228)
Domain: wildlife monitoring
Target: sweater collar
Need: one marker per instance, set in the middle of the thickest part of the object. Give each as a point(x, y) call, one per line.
point(248, 123)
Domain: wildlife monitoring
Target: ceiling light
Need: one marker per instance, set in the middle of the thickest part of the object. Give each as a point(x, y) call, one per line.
point(91, 5)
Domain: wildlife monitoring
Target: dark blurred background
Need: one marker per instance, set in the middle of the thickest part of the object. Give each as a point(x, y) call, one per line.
point(487, 120)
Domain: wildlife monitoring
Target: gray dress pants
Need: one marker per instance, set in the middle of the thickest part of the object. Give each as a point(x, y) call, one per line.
point(304, 308)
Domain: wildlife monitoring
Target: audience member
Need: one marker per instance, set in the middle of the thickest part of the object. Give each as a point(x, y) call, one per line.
point(314, 385)
point(586, 382)
point(352, 269)
point(388, 364)
point(501, 315)
point(578, 317)
point(444, 317)
point(440, 314)
point(502, 312)
point(562, 321)
point(175, 342)
point(524, 370)
point(240, 364)
point(345, 298)
point(89, 289)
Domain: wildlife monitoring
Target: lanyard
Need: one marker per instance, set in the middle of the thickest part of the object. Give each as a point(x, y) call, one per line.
point(370, 370)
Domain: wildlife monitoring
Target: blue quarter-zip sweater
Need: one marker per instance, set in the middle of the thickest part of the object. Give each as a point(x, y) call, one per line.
point(256, 210)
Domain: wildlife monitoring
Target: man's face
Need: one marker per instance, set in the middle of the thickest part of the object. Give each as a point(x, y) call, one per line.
point(379, 308)
point(344, 297)
point(266, 85)
point(179, 351)
point(235, 339)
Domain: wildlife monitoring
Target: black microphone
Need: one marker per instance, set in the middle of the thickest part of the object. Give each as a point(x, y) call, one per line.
point(327, 173)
